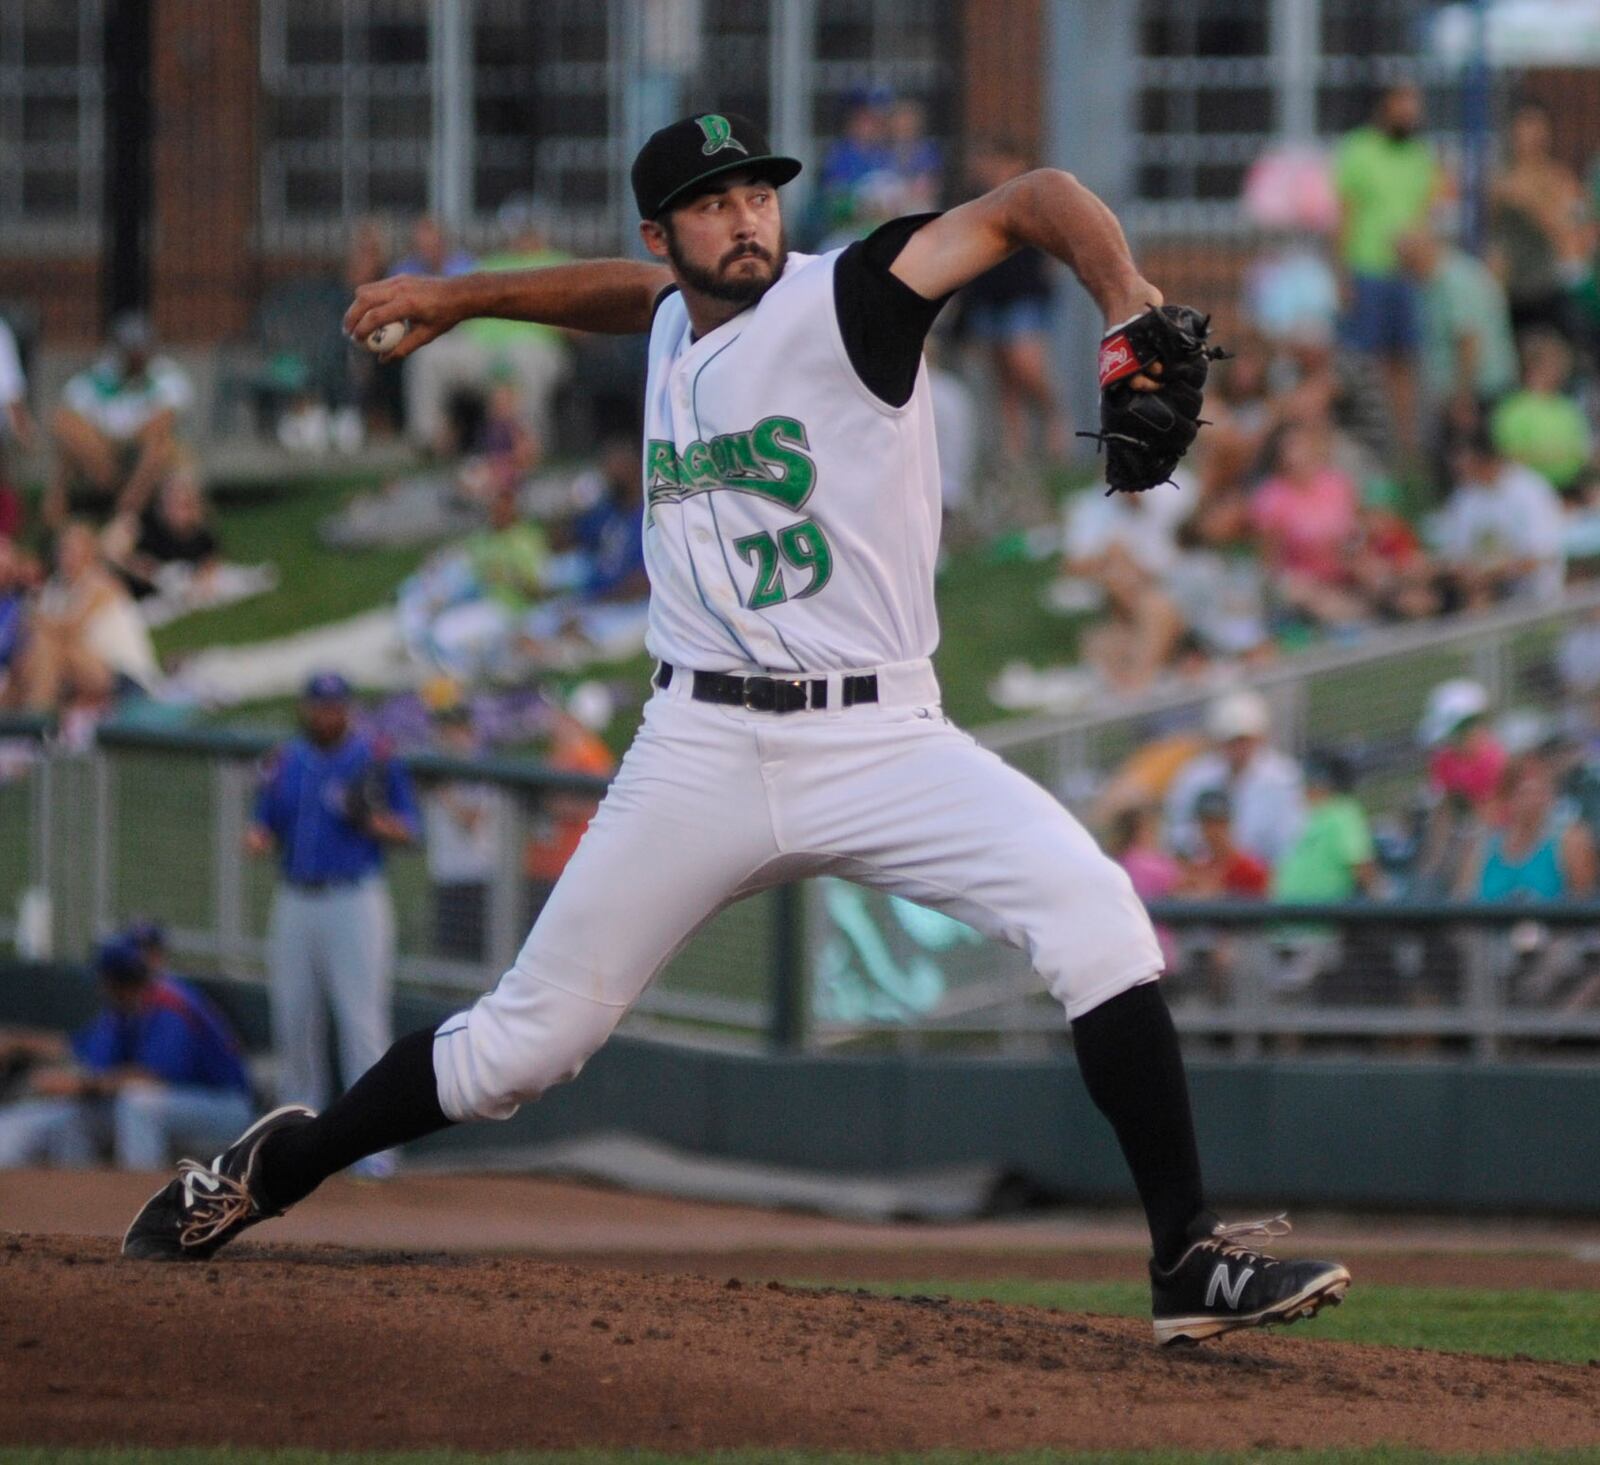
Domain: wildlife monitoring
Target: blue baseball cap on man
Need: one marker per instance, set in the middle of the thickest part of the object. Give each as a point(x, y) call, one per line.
point(119, 959)
point(145, 933)
point(326, 686)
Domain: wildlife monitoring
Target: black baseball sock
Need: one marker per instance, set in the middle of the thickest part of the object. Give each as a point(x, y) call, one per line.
point(395, 1100)
point(1128, 1054)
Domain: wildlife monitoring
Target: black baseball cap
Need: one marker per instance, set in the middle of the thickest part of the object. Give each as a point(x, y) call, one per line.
point(698, 149)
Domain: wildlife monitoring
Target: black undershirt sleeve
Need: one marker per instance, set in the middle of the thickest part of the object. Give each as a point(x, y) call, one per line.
point(882, 319)
point(659, 301)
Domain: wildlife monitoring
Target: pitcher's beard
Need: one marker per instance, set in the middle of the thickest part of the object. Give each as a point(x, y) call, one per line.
point(736, 290)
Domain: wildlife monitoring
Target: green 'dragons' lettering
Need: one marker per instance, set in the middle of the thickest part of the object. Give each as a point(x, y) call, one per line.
point(769, 459)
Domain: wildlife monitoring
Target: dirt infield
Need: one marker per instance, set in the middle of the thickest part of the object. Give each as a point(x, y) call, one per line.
point(329, 1348)
point(566, 1221)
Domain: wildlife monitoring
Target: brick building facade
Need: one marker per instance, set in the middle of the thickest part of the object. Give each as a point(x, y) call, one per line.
point(206, 263)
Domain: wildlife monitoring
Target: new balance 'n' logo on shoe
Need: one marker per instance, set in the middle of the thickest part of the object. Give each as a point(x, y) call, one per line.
point(195, 1215)
point(1221, 1287)
point(1220, 1283)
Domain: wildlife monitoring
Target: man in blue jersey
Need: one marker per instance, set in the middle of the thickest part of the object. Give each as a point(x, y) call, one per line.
point(329, 803)
point(157, 1072)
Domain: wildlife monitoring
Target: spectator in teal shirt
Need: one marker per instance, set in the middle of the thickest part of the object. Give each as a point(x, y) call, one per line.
point(1539, 852)
point(1468, 356)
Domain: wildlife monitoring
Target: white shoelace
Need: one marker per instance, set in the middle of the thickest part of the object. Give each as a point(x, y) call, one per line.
point(214, 1206)
point(1229, 1238)
point(1266, 1229)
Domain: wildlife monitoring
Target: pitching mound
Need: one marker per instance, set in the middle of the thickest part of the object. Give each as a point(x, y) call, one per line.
point(334, 1349)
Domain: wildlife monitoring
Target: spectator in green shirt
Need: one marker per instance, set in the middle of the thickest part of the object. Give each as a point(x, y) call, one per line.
point(509, 557)
point(1540, 425)
point(1468, 357)
point(1386, 178)
point(535, 354)
point(1332, 859)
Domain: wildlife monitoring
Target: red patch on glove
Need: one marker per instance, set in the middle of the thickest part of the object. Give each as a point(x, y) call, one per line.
point(1116, 359)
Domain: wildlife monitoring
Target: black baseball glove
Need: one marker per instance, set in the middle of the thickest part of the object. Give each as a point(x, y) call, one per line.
point(1145, 433)
point(367, 795)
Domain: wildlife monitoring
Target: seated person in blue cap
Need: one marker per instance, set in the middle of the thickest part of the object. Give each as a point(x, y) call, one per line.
point(157, 1073)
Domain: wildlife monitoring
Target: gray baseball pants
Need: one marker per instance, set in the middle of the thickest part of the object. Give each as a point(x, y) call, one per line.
point(329, 949)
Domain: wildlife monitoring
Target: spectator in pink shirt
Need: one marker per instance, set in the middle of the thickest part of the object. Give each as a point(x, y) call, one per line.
point(1307, 516)
point(1466, 763)
point(1466, 760)
point(1135, 844)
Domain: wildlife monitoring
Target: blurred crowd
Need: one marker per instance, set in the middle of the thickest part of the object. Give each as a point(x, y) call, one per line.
point(1407, 428)
point(1505, 812)
point(123, 538)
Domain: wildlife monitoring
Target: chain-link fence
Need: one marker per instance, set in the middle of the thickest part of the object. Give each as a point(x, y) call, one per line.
point(152, 825)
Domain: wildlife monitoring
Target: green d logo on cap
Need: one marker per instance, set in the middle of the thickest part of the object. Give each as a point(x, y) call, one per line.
point(719, 135)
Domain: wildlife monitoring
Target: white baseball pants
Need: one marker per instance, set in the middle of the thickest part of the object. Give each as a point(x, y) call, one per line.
point(714, 803)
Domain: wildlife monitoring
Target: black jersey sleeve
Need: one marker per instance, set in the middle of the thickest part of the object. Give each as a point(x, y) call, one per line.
point(661, 299)
point(882, 319)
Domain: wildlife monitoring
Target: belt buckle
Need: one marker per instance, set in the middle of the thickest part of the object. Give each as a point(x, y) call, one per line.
point(759, 694)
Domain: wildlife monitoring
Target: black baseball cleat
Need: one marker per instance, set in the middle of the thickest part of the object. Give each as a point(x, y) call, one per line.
point(195, 1215)
point(1220, 1283)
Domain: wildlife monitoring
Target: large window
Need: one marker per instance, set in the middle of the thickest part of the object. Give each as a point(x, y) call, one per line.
point(346, 113)
point(52, 122)
point(399, 106)
point(1219, 80)
point(1205, 97)
point(542, 110)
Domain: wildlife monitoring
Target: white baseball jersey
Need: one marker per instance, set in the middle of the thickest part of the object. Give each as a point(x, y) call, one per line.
point(792, 517)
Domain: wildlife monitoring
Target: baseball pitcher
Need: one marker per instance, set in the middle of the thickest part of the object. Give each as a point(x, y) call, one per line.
point(791, 526)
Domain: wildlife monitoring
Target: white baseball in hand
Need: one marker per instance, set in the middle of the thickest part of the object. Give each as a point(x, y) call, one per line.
point(386, 338)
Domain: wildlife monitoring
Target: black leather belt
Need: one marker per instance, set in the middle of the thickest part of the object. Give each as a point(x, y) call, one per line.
point(319, 887)
point(772, 694)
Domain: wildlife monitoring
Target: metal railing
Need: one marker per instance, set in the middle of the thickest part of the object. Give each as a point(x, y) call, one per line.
point(151, 823)
point(1485, 979)
point(1368, 697)
point(148, 823)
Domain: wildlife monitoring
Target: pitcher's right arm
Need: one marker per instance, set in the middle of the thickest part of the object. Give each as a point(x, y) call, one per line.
point(615, 296)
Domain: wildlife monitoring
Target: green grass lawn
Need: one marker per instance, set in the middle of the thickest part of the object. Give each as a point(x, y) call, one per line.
point(990, 612)
point(317, 584)
point(1557, 1327)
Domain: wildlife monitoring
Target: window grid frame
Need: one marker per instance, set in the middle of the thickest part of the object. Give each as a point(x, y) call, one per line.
point(903, 49)
point(82, 81)
point(1182, 150)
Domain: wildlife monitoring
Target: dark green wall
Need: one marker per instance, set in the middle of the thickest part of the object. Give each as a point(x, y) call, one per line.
point(1427, 1136)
